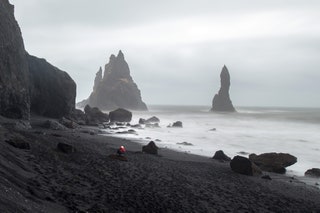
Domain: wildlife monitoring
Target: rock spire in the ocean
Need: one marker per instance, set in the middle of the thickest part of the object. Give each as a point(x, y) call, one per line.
point(116, 88)
point(221, 101)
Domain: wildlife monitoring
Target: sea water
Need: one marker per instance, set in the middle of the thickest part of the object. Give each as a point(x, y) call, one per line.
point(249, 130)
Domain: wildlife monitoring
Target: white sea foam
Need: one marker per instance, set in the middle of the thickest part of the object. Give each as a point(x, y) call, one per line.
point(250, 130)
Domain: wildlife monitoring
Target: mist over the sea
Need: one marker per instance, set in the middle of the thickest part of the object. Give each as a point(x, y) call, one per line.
point(249, 130)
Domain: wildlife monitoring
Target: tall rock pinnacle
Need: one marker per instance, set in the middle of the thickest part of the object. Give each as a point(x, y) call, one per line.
point(116, 88)
point(221, 101)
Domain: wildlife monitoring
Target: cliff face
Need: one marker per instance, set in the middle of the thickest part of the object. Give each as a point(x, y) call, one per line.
point(52, 91)
point(221, 101)
point(14, 83)
point(116, 89)
point(27, 81)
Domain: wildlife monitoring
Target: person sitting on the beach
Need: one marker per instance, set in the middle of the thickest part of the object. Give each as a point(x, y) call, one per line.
point(121, 151)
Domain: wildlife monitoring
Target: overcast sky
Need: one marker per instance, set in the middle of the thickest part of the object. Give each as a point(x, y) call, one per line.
point(176, 49)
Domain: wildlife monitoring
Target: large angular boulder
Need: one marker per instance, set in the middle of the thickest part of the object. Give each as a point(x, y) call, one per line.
point(273, 162)
point(116, 88)
point(177, 124)
point(120, 115)
point(221, 101)
point(18, 143)
point(65, 148)
point(244, 166)
point(95, 116)
point(14, 79)
point(53, 91)
point(150, 148)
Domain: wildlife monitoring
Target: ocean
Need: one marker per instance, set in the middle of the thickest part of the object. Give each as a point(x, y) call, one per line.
point(249, 130)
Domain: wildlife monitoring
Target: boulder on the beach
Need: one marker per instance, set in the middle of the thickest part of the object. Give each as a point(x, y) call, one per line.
point(65, 148)
point(244, 166)
point(142, 121)
point(18, 143)
point(54, 125)
point(273, 162)
point(68, 123)
point(120, 115)
point(151, 148)
point(94, 116)
point(219, 155)
point(177, 124)
point(314, 172)
point(78, 116)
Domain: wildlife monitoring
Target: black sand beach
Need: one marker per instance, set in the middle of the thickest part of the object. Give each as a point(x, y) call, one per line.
point(43, 179)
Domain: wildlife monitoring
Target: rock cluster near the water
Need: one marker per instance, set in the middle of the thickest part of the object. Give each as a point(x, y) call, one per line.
point(221, 101)
point(116, 88)
point(27, 82)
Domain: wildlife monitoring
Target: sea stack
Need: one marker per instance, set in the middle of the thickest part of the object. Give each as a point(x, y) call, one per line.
point(221, 101)
point(116, 88)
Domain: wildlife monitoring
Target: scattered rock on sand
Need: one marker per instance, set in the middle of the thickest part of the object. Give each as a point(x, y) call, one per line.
point(244, 166)
point(120, 115)
point(65, 148)
point(142, 121)
point(68, 123)
point(267, 177)
point(213, 129)
point(314, 172)
point(219, 155)
point(151, 148)
point(18, 143)
point(273, 162)
point(153, 119)
point(94, 116)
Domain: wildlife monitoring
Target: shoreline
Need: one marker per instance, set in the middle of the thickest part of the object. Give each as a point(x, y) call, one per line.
point(88, 180)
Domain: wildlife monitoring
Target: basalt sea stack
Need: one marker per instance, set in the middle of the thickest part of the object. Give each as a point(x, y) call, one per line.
point(116, 88)
point(221, 101)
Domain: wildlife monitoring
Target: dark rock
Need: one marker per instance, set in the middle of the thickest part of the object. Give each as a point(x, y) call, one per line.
point(153, 119)
point(177, 124)
point(53, 92)
point(267, 177)
point(54, 125)
point(185, 144)
point(18, 143)
point(151, 148)
point(219, 155)
point(14, 73)
point(244, 166)
point(116, 89)
point(142, 121)
point(213, 129)
point(273, 162)
point(120, 115)
point(65, 148)
point(94, 116)
point(22, 125)
point(314, 172)
point(68, 123)
point(78, 116)
point(221, 101)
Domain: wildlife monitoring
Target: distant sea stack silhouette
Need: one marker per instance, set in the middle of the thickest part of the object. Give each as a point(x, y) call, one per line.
point(116, 88)
point(221, 101)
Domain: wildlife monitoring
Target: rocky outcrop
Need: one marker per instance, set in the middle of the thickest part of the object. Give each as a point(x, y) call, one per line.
point(120, 115)
point(26, 81)
point(219, 155)
point(221, 101)
point(244, 166)
point(177, 124)
point(14, 82)
point(314, 172)
point(94, 116)
point(150, 148)
point(116, 89)
point(273, 162)
point(52, 91)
